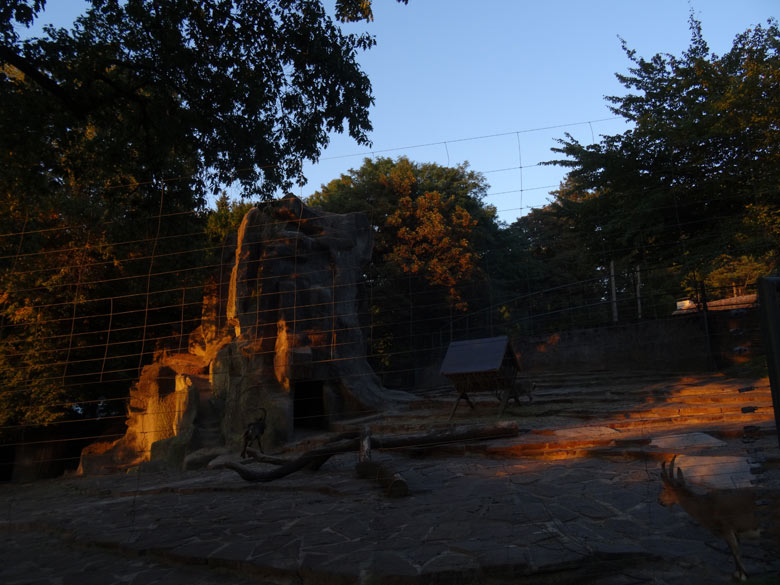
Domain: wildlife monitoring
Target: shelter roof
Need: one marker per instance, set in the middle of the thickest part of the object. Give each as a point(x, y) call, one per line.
point(475, 355)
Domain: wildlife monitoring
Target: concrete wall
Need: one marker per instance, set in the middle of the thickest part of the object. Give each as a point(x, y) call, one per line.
point(679, 343)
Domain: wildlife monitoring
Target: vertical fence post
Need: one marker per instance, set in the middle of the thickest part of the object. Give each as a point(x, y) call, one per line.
point(613, 291)
point(769, 300)
point(638, 292)
point(705, 312)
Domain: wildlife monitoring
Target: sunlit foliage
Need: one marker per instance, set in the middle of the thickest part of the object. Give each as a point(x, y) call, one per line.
point(432, 239)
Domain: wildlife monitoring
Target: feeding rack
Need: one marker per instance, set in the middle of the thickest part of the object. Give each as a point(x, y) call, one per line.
point(489, 363)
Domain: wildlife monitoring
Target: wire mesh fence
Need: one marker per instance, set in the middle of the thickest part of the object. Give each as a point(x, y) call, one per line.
point(85, 315)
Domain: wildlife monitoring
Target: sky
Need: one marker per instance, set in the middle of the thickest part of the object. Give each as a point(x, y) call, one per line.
point(495, 82)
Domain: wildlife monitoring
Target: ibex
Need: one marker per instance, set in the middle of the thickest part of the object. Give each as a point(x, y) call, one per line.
point(725, 513)
point(254, 432)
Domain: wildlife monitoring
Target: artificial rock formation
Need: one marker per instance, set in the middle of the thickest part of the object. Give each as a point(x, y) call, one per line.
point(280, 331)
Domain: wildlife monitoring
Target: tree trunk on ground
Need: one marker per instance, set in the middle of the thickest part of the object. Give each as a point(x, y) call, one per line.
point(393, 483)
point(318, 456)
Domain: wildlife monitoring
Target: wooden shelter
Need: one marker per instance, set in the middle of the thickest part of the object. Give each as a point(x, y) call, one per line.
point(489, 363)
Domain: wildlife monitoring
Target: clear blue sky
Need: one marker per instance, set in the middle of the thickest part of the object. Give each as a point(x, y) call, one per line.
point(467, 80)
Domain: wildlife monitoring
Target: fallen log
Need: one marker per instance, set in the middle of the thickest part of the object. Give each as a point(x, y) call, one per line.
point(315, 463)
point(254, 455)
point(320, 460)
point(483, 432)
point(317, 457)
point(314, 457)
point(365, 445)
point(393, 483)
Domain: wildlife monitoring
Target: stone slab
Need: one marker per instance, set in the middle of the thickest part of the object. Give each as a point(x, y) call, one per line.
point(686, 441)
point(716, 472)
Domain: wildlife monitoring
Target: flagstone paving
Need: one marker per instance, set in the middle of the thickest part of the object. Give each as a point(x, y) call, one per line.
point(576, 504)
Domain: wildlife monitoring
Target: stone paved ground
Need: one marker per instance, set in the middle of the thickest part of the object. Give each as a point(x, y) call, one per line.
point(495, 512)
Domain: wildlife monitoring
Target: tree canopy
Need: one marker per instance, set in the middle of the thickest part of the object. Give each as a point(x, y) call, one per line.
point(234, 90)
point(694, 181)
point(430, 220)
point(112, 134)
point(434, 236)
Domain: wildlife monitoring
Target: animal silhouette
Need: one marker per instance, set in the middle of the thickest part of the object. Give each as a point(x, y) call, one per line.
point(725, 513)
point(254, 432)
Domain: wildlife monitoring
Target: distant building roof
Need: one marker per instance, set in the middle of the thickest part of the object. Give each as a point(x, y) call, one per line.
point(742, 302)
point(475, 355)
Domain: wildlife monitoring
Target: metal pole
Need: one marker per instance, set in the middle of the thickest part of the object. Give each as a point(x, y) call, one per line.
point(614, 294)
point(638, 292)
point(706, 316)
point(769, 301)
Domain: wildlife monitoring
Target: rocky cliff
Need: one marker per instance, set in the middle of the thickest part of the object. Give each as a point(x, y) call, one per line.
point(280, 331)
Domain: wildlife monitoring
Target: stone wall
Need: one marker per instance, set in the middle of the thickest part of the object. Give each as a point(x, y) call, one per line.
point(679, 343)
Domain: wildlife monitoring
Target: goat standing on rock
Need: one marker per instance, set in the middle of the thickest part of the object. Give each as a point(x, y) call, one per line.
point(254, 432)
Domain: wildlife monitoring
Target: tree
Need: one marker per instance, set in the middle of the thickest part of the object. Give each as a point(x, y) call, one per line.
point(225, 218)
point(246, 89)
point(111, 135)
point(433, 241)
point(734, 276)
point(696, 175)
point(559, 278)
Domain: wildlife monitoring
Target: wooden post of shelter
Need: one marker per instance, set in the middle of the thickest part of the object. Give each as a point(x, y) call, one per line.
point(488, 364)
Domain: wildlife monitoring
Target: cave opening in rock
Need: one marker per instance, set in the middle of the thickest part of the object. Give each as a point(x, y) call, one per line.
point(166, 381)
point(309, 405)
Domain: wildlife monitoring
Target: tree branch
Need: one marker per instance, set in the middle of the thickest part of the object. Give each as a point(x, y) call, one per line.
point(41, 79)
